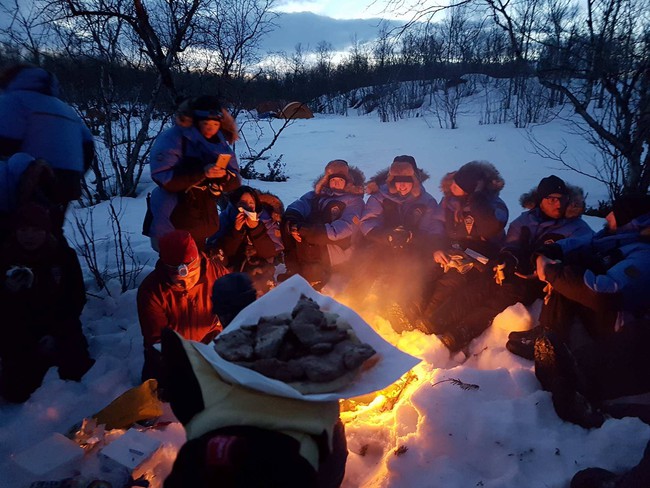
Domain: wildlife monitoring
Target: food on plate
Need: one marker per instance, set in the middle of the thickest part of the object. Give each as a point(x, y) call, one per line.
point(311, 350)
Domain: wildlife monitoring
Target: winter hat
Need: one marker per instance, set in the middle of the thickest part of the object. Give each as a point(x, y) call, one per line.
point(177, 247)
point(33, 215)
point(230, 294)
point(404, 169)
point(468, 177)
point(337, 168)
point(628, 207)
point(206, 107)
point(549, 185)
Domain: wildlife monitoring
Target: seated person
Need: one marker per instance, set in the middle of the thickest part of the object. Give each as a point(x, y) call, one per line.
point(241, 438)
point(397, 224)
point(176, 294)
point(555, 214)
point(470, 223)
point(595, 320)
point(320, 228)
point(249, 235)
point(42, 295)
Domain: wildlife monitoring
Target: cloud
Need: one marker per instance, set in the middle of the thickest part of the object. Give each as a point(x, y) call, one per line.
point(310, 29)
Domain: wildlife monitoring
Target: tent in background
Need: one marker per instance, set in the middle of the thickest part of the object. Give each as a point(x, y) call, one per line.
point(296, 110)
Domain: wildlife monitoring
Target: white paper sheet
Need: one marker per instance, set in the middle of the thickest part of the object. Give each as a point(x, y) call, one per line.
point(389, 367)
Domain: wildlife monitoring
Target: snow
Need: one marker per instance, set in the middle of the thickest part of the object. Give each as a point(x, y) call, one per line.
point(481, 420)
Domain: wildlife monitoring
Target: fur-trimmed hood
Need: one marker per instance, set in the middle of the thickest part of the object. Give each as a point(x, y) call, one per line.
point(381, 178)
point(575, 207)
point(272, 204)
point(490, 180)
point(355, 181)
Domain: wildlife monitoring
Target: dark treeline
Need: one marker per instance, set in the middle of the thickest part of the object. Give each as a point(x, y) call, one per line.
point(539, 54)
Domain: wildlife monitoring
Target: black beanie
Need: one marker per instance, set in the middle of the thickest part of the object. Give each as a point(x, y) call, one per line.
point(231, 294)
point(549, 185)
point(628, 207)
point(468, 177)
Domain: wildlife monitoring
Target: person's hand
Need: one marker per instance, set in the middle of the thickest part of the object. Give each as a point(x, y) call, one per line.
point(240, 221)
point(295, 233)
point(213, 171)
point(441, 258)
point(542, 262)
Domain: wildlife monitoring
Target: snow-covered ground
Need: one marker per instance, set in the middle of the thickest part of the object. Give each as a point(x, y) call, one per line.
point(502, 432)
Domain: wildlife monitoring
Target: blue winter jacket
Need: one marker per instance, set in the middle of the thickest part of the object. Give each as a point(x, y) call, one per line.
point(623, 280)
point(10, 173)
point(177, 162)
point(338, 211)
point(34, 120)
point(476, 222)
point(532, 229)
point(385, 211)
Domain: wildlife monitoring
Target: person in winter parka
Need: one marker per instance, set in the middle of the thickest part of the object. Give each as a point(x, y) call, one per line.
point(469, 230)
point(554, 213)
point(249, 236)
point(321, 227)
point(238, 437)
point(176, 294)
point(34, 120)
point(602, 279)
point(397, 224)
point(193, 164)
point(399, 211)
point(42, 295)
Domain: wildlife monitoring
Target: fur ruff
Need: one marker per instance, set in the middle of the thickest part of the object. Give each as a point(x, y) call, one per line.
point(373, 184)
point(575, 207)
point(492, 182)
point(272, 203)
point(354, 185)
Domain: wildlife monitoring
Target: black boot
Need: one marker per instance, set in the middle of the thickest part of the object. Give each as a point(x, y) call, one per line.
point(637, 477)
point(522, 343)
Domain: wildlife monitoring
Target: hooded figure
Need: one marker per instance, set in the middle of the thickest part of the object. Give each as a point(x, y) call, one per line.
point(554, 212)
point(42, 295)
point(320, 229)
point(397, 225)
point(471, 214)
point(602, 278)
point(469, 231)
point(399, 211)
point(177, 294)
point(249, 235)
point(465, 317)
point(192, 164)
point(34, 120)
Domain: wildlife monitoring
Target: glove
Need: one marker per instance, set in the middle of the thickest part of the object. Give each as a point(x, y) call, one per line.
point(314, 233)
point(399, 237)
point(508, 262)
point(19, 278)
point(551, 251)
